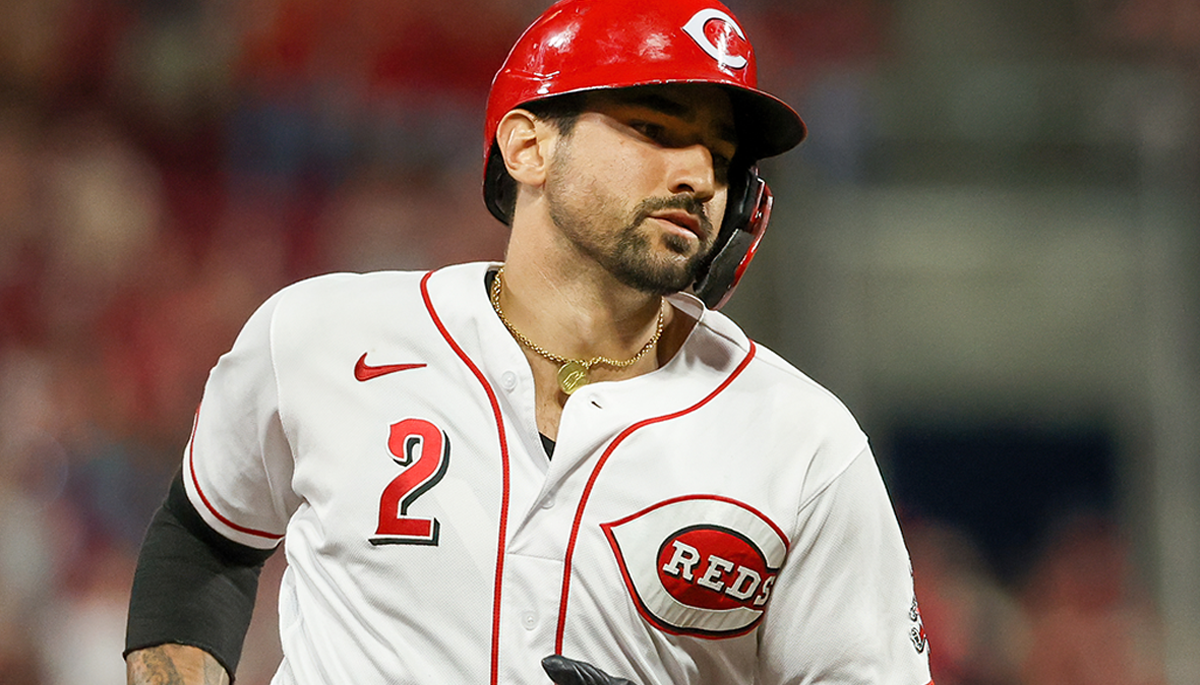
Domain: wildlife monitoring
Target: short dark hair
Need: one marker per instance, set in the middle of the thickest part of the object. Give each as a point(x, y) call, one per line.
point(562, 112)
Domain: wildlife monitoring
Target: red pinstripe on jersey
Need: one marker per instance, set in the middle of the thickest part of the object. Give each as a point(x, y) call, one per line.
point(587, 489)
point(204, 498)
point(487, 388)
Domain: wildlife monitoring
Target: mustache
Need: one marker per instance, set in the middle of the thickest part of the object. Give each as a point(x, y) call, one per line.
point(684, 201)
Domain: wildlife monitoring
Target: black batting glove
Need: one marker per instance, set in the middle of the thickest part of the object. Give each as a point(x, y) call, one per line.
point(564, 671)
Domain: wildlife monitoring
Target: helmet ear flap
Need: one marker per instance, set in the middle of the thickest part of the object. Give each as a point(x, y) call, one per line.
point(747, 212)
point(499, 189)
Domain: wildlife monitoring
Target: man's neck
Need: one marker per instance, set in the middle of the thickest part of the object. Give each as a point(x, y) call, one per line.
point(581, 313)
point(578, 315)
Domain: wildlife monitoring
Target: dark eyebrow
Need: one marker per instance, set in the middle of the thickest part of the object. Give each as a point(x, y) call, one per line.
point(666, 105)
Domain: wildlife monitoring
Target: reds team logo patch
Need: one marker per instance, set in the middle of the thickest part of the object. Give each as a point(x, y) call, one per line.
point(700, 565)
point(720, 37)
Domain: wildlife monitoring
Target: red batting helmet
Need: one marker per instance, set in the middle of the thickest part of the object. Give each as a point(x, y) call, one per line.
point(581, 45)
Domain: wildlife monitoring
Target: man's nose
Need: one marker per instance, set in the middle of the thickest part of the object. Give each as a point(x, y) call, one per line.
point(692, 172)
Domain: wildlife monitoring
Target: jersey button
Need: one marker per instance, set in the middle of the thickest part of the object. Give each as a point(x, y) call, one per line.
point(548, 502)
point(529, 620)
point(509, 380)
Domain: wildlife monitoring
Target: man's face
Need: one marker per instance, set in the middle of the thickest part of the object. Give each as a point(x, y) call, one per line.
point(640, 183)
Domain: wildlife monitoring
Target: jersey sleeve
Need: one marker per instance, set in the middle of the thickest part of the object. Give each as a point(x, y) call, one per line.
point(843, 609)
point(237, 466)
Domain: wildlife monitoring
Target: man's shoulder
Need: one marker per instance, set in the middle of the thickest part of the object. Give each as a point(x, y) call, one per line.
point(766, 366)
point(339, 294)
point(348, 288)
point(781, 390)
point(781, 379)
point(377, 303)
point(771, 363)
point(791, 421)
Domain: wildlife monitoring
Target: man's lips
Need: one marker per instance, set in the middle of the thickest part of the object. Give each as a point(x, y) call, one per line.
point(686, 220)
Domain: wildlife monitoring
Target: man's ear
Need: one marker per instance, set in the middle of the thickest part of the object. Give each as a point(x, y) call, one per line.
point(523, 143)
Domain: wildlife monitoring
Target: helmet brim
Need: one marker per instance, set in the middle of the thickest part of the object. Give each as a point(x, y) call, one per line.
point(766, 125)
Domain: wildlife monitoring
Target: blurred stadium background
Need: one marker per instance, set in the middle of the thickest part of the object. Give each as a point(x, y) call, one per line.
point(989, 248)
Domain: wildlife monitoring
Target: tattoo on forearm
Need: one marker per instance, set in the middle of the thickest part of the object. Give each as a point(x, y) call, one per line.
point(153, 667)
point(214, 673)
point(168, 664)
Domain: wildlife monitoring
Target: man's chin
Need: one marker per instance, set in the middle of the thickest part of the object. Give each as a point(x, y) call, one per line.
point(661, 264)
point(683, 247)
point(662, 277)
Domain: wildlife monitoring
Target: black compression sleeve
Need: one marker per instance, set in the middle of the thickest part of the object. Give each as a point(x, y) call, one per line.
point(192, 586)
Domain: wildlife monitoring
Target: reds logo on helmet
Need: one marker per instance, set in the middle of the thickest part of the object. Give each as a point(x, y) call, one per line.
point(720, 36)
point(700, 565)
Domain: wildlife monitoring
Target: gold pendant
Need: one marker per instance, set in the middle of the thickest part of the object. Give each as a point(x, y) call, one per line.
point(572, 376)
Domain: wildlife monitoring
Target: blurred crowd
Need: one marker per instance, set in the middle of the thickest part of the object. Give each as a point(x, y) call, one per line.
point(166, 165)
point(1077, 614)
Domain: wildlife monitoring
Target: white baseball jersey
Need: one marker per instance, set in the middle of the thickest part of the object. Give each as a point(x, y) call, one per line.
point(720, 520)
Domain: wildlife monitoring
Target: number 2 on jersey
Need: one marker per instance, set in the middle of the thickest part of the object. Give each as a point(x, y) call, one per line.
point(424, 451)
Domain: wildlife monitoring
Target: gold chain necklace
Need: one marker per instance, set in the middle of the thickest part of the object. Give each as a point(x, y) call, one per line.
point(572, 373)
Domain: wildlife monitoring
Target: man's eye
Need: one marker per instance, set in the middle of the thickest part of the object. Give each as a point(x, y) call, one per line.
point(650, 130)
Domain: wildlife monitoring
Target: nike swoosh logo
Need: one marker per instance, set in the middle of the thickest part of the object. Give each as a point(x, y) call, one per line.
point(365, 372)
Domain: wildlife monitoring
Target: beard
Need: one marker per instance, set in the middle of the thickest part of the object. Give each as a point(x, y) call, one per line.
point(634, 262)
point(629, 252)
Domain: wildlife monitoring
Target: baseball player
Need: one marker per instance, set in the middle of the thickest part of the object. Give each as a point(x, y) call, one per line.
point(566, 466)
